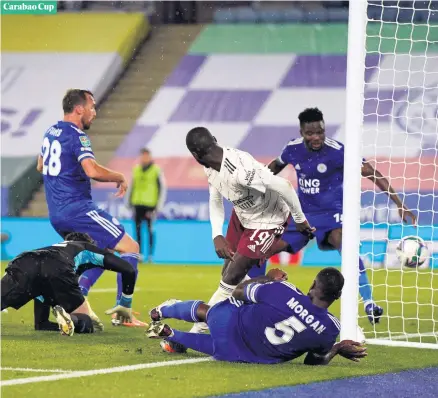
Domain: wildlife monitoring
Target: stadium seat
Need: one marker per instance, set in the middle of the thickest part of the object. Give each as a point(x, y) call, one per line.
point(337, 15)
point(433, 16)
point(374, 12)
point(316, 16)
point(293, 15)
point(405, 15)
point(390, 14)
point(422, 5)
point(224, 16)
point(271, 15)
point(245, 15)
point(421, 15)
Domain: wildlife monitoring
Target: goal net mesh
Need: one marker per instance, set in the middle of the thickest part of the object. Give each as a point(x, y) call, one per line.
point(400, 139)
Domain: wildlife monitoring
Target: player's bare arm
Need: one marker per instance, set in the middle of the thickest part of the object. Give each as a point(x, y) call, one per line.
point(348, 349)
point(383, 184)
point(40, 164)
point(276, 166)
point(273, 275)
point(102, 174)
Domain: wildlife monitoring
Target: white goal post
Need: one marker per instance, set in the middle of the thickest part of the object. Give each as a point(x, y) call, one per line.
point(391, 121)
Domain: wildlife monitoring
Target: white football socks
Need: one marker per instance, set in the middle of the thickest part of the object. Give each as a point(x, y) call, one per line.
point(223, 293)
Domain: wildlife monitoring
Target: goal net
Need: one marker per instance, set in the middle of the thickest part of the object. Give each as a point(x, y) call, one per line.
point(392, 121)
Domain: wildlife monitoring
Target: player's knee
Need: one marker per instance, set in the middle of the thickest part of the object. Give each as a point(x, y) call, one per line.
point(234, 275)
point(128, 245)
point(335, 238)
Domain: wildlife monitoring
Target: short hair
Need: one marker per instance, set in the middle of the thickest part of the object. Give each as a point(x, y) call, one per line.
point(145, 150)
point(79, 237)
point(331, 281)
point(310, 115)
point(74, 97)
point(199, 140)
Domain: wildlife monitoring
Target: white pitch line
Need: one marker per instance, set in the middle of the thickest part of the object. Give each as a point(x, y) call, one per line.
point(411, 335)
point(86, 373)
point(38, 370)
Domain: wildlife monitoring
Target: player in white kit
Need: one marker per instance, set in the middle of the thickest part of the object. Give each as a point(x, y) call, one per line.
point(262, 202)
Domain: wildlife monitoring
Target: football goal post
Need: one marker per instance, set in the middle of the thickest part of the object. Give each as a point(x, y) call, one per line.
point(392, 122)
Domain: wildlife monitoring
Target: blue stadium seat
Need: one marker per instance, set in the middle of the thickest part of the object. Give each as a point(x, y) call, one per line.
point(245, 15)
point(405, 15)
point(421, 15)
point(421, 5)
point(293, 15)
point(433, 16)
point(374, 12)
point(316, 16)
point(271, 15)
point(337, 15)
point(389, 14)
point(224, 16)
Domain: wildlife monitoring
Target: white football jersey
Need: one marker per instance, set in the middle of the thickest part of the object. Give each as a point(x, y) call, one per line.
point(243, 180)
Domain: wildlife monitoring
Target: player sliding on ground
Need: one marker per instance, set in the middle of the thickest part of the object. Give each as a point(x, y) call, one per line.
point(267, 320)
point(50, 275)
point(319, 164)
point(68, 164)
point(262, 202)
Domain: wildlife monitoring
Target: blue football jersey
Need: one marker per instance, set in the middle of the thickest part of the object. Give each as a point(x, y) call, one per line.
point(320, 174)
point(283, 324)
point(67, 186)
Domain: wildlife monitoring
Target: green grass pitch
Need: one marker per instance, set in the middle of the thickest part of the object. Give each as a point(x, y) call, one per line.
point(24, 348)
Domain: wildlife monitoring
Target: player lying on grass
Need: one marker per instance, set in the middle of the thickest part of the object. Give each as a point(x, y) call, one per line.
point(68, 164)
point(51, 275)
point(267, 320)
point(262, 202)
point(319, 164)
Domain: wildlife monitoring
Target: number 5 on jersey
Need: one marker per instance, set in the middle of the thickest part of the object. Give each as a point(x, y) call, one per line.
point(288, 327)
point(52, 153)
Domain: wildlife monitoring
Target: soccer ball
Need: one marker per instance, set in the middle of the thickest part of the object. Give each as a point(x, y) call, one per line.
point(412, 251)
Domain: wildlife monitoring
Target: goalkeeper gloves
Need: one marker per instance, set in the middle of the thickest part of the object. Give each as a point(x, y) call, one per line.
point(123, 309)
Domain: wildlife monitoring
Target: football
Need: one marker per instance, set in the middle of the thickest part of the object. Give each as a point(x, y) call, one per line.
point(412, 251)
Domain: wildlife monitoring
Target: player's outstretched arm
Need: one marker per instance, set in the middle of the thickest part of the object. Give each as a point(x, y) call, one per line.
point(348, 349)
point(102, 174)
point(383, 184)
point(111, 262)
point(285, 190)
point(276, 166)
point(273, 275)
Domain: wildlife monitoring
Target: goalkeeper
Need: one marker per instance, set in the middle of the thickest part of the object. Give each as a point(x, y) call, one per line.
point(50, 275)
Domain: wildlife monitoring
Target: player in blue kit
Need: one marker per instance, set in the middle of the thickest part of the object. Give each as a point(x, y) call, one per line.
point(319, 164)
point(68, 164)
point(267, 320)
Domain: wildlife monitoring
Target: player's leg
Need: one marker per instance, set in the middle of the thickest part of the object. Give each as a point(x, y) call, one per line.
point(41, 313)
point(62, 291)
point(180, 341)
point(149, 220)
point(291, 241)
point(20, 284)
point(139, 214)
point(107, 232)
point(189, 311)
point(235, 270)
point(373, 311)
